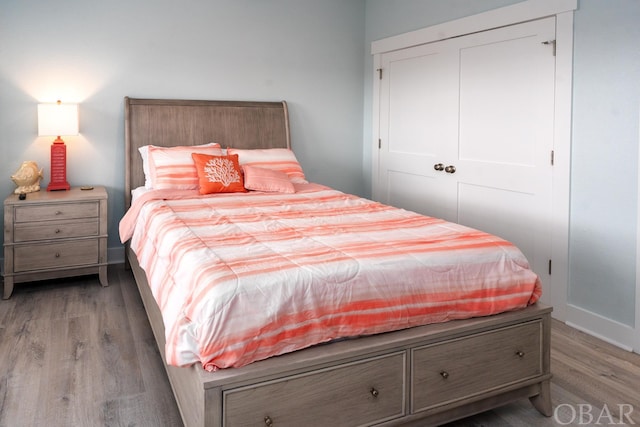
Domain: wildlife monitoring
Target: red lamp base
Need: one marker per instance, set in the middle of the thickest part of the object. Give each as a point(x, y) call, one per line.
point(58, 186)
point(58, 166)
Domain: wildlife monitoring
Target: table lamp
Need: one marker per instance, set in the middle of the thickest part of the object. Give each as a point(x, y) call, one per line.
point(55, 120)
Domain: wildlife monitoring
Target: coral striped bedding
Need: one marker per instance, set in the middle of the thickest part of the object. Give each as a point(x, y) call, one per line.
point(240, 277)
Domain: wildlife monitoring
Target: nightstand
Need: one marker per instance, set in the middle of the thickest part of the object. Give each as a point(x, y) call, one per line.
point(54, 234)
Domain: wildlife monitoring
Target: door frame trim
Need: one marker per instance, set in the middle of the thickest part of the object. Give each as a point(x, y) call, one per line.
point(520, 12)
point(510, 15)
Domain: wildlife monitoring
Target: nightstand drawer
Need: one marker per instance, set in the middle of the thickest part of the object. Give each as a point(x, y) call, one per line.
point(56, 255)
point(27, 232)
point(58, 211)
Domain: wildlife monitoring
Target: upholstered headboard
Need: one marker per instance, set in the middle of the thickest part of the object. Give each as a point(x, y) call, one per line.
point(171, 122)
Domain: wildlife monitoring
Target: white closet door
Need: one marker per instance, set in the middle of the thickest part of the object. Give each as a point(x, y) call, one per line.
point(419, 128)
point(483, 104)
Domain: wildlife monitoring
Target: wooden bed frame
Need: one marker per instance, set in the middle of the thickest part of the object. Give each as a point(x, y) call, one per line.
point(426, 375)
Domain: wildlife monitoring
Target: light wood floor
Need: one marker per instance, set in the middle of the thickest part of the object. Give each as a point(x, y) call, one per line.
point(75, 354)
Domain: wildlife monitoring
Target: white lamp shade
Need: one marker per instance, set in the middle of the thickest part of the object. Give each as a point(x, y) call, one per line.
point(57, 119)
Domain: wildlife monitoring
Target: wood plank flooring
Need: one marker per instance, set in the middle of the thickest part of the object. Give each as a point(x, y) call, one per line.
point(75, 354)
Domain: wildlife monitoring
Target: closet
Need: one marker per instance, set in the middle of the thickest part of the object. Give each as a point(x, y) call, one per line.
point(466, 132)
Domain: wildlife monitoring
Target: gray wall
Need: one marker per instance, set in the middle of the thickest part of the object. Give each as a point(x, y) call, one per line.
point(604, 171)
point(306, 52)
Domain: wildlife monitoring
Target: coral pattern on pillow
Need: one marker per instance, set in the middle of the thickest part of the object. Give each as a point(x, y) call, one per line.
point(218, 174)
point(172, 168)
point(281, 159)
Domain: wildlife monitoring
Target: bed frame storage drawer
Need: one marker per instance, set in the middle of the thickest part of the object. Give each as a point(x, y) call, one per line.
point(475, 364)
point(375, 393)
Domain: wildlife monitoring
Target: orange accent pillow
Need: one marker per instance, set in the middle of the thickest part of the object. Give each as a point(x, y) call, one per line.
point(218, 174)
point(262, 179)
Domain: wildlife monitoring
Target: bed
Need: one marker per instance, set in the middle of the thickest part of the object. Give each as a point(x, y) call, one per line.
point(419, 375)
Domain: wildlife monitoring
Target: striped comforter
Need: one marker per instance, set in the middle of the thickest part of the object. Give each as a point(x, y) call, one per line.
point(240, 277)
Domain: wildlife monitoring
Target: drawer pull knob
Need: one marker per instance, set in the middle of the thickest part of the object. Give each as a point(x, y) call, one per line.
point(444, 374)
point(57, 254)
point(57, 231)
point(520, 353)
point(58, 212)
point(374, 392)
point(268, 421)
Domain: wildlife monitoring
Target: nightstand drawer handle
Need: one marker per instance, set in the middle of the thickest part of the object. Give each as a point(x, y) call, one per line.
point(58, 212)
point(57, 231)
point(57, 254)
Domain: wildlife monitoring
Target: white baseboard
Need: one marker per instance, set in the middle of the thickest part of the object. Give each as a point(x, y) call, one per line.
point(606, 329)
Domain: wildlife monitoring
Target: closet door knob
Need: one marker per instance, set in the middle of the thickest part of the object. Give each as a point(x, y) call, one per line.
point(438, 166)
point(450, 169)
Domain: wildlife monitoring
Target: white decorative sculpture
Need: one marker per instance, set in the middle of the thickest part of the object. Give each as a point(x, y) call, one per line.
point(27, 178)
